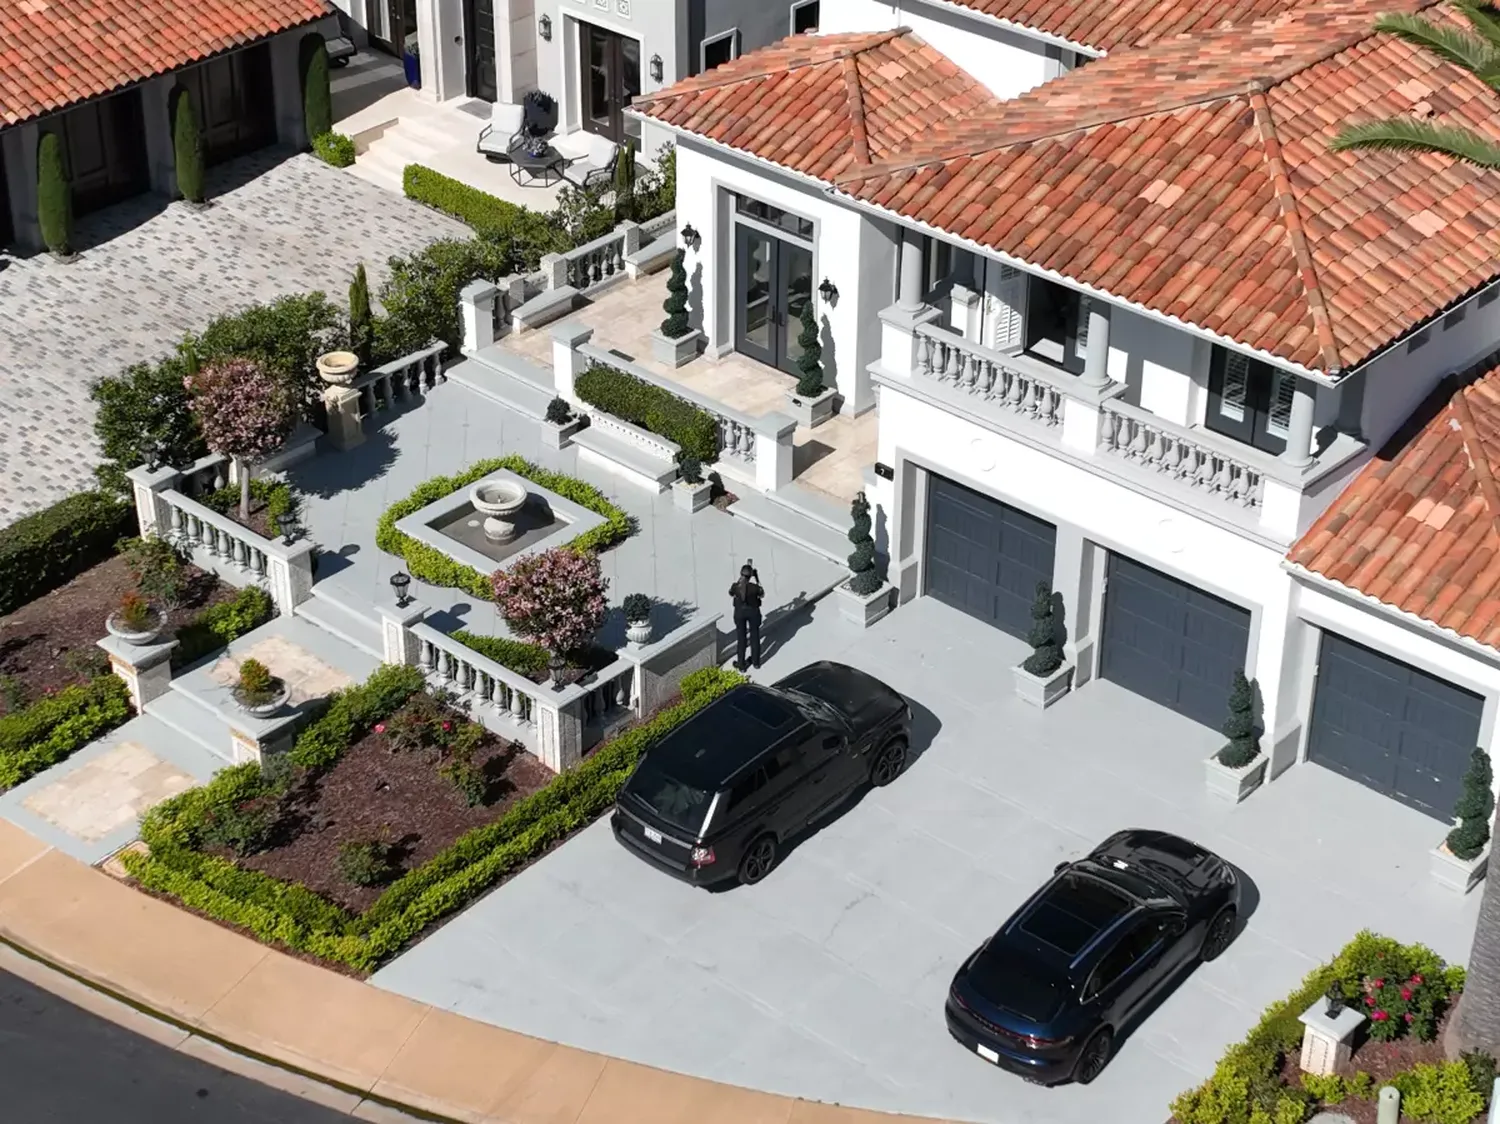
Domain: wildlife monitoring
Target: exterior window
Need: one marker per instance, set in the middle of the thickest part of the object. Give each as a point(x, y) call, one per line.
point(1418, 341)
point(1249, 401)
point(805, 17)
point(1053, 316)
point(1455, 318)
point(720, 49)
point(775, 216)
point(937, 258)
point(1235, 391)
point(1279, 417)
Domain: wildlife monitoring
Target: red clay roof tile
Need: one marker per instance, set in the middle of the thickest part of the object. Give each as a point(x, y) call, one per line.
point(1105, 25)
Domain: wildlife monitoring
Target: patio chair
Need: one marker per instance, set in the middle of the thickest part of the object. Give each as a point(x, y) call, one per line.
point(596, 167)
point(503, 133)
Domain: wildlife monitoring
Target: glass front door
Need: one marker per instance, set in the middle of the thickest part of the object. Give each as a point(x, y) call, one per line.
point(479, 38)
point(773, 284)
point(611, 68)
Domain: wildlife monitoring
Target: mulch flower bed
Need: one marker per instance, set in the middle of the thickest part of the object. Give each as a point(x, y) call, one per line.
point(259, 520)
point(50, 643)
point(1382, 1061)
point(374, 793)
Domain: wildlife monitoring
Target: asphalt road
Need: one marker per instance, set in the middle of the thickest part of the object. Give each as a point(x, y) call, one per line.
point(60, 1064)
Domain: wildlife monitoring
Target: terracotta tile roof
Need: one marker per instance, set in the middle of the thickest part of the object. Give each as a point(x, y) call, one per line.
point(1193, 177)
point(54, 53)
point(1106, 25)
point(822, 104)
point(1417, 528)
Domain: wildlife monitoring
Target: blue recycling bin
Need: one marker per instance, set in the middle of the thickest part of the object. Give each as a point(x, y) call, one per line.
point(413, 68)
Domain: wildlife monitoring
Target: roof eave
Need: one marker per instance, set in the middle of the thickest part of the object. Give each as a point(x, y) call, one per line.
point(1010, 25)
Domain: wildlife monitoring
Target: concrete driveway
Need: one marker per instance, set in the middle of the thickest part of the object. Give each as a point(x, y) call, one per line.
point(827, 980)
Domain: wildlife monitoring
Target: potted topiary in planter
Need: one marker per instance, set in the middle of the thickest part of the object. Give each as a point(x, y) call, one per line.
point(136, 621)
point(690, 492)
point(259, 693)
point(1460, 861)
point(560, 424)
point(1044, 677)
point(1238, 769)
point(865, 597)
point(638, 619)
point(812, 402)
point(675, 343)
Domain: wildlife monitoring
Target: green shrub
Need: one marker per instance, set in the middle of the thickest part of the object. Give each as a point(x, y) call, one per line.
point(525, 659)
point(352, 712)
point(676, 305)
point(527, 234)
point(361, 319)
point(366, 862)
point(53, 546)
point(160, 568)
point(187, 146)
point(435, 568)
point(1473, 810)
point(1325, 1088)
point(649, 406)
point(1046, 643)
point(1239, 727)
point(420, 294)
point(810, 380)
point(317, 98)
point(219, 625)
point(1438, 1094)
point(864, 578)
point(278, 497)
point(57, 726)
point(143, 418)
point(1482, 1069)
point(54, 195)
point(334, 149)
point(285, 335)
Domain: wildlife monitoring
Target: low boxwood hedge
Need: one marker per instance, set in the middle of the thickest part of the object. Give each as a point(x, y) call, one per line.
point(53, 546)
point(650, 407)
point(435, 568)
point(220, 624)
point(529, 233)
point(525, 659)
point(334, 148)
point(301, 920)
point(57, 726)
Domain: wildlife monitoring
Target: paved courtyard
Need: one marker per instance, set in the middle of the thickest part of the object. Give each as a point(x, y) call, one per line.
point(827, 980)
point(151, 272)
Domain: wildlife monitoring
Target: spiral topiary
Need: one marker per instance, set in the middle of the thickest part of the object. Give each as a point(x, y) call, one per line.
point(1046, 649)
point(864, 579)
point(1239, 727)
point(1467, 840)
point(676, 325)
point(810, 362)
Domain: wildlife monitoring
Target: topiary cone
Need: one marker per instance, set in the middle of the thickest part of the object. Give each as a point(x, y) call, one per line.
point(810, 362)
point(317, 97)
point(54, 203)
point(187, 147)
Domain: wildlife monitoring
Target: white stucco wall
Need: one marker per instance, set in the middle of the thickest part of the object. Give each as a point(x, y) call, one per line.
point(856, 253)
point(444, 62)
point(1009, 63)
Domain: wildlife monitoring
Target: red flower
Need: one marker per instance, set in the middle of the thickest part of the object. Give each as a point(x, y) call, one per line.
point(1379, 1016)
point(1410, 1017)
point(1379, 983)
point(1416, 979)
point(447, 725)
point(1406, 993)
point(1369, 1001)
point(380, 727)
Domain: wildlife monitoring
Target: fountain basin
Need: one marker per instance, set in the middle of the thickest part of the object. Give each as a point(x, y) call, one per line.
point(500, 501)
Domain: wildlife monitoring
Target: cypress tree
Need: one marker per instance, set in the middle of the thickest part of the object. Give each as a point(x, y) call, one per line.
point(54, 195)
point(187, 144)
point(361, 324)
point(317, 98)
point(810, 362)
point(676, 325)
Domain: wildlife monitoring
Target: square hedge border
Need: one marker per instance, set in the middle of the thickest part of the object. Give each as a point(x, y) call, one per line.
point(432, 566)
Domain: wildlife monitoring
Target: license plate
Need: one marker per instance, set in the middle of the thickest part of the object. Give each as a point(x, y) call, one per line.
point(987, 1054)
point(653, 835)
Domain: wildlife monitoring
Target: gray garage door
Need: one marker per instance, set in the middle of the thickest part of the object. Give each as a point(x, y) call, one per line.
point(985, 557)
point(1171, 642)
point(1401, 731)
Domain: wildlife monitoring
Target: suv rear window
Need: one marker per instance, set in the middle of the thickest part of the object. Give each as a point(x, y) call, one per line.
point(674, 801)
point(1074, 912)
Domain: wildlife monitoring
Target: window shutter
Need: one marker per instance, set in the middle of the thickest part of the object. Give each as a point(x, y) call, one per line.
point(1236, 392)
point(1279, 418)
point(1004, 306)
point(1081, 348)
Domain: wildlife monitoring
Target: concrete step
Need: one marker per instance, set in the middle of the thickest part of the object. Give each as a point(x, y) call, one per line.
point(380, 174)
point(817, 506)
point(333, 610)
point(503, 383)
point(437, 134)
point(189, 719)
point(624, 459)
point(785, 522)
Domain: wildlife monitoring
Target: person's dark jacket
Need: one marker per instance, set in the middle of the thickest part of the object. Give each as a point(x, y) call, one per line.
point(750, 603)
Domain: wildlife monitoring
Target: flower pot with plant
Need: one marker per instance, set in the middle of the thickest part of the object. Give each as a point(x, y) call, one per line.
point(675, 343)
point(136, 621)
point(1460, 861)
point(865, 597)
point(560, 423)
point(690, 492)
point(259, 693)
point(1237, 770)
point(811, 402)
point(638, 619)
point(1044, 676)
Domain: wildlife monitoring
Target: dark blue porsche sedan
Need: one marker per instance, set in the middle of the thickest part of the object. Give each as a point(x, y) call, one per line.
point(1047, 994)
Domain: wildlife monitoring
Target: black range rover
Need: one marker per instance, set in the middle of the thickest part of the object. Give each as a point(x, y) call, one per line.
point(718, 797)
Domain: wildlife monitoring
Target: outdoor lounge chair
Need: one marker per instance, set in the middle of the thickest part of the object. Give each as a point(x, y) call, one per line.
point(503, 133)
point(597, 166)
point(336, 39)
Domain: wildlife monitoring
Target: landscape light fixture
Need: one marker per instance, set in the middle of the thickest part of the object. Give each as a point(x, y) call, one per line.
point(689, 235)
point(544, 27)
point(828, 290)
point(399, 582)
point(656, 68)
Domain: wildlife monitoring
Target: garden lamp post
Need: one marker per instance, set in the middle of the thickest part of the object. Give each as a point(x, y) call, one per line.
point(399, 582)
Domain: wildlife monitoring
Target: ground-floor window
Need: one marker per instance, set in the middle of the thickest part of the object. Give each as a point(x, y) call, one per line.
point(609, 65)
point(772, 281)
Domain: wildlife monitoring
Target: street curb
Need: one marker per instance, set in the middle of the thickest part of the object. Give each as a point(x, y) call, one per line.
point(35, 955)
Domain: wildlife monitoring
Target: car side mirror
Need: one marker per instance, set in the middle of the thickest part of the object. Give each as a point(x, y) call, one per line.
point(1060, 867)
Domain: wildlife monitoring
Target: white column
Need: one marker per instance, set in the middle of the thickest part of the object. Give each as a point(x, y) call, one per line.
point(399, 644)
point(567, 363)
point(1096, 355)
point(773, 451)
point(1299, 436)
point(289, 573)
point(909, 296)
point(477, 305)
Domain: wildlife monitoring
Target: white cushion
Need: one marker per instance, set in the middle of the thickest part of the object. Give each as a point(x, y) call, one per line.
point(601, 150)
point(507, 118)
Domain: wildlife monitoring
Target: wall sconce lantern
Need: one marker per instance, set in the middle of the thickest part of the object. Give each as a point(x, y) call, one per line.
point(399, 582)
point(690, 235)
point(656, 68)
point(544, 27)
point(828, 291)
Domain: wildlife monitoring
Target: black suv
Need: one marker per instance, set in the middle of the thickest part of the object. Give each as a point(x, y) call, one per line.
point(718, 797)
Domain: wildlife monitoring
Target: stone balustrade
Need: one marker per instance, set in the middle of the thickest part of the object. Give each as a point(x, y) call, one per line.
point(401, 380)
point(594, 264)
point(1179, 453)
point(1015, 383)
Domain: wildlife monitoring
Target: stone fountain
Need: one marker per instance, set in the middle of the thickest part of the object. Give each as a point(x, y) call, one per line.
point(499, 501)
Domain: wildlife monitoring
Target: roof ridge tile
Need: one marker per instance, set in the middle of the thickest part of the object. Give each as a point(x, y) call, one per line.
point(858, 133)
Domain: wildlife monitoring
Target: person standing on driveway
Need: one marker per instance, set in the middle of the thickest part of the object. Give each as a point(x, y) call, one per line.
point(747, 596)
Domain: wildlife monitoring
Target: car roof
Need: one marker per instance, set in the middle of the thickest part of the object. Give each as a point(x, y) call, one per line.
point(1066, 920)
point(714, 745)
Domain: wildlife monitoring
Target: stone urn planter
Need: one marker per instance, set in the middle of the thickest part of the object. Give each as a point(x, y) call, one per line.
point(258, 706)
point(556, 435)
point(811, 411)
point(1230, 784)
point(139, 632)
point(674, 352)
point(638, 619)
point(338, 368)
point(500, 501)
point(864, 609)
point(1043, 690)
point(691, 496)
point(1454, 873)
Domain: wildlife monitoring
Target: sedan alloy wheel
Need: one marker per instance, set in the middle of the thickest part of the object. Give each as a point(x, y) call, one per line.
point(1220, 933)
point(1095, 1056)
point(889, 763)
point(758, 860)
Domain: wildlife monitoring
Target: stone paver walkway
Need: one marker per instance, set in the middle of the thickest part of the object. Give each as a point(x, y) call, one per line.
point(108, 793)
point(151, 272)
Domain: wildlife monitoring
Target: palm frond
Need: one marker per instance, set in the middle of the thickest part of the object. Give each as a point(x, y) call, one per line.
point(1469, 49)
point(1407, 134)
point(1484, 18)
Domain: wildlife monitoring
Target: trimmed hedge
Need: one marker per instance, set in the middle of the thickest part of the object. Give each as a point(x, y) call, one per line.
point(517, 655)
point(334, 149)
point(218, 625)
point(649, 406)
point(435, 568)
point(277, 496)
point(530, 233)
point(353, 711)
point(53, 546)
point(299, 919)
point(57, 726)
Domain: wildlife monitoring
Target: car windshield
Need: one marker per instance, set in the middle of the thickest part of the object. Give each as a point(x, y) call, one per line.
point(674, 801)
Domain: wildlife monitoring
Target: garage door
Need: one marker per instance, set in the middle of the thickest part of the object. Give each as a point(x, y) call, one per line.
point(1171, 642)
point(985, 557)
point(1401, 731)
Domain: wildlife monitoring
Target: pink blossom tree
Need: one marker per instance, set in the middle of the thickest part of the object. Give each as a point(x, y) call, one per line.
point(555, 598)
point(245, 413)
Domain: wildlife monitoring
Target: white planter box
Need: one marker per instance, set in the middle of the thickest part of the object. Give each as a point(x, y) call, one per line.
point(677, 352)
point(811, 412)
point(691, 497)
point(864, 609)
point(557, 436)
point(1234, 785)
point(1454, 873)
point(1043, 690)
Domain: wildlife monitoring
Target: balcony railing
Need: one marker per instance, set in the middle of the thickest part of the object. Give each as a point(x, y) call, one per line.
point(1016, 383)
point(1195, 457)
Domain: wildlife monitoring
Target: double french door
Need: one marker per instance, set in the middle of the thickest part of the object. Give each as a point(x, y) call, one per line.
point(610, 65)
point(773, 282)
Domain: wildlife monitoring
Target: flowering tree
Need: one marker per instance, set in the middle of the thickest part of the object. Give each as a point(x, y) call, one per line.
point(555, 599)
point(244, 412)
